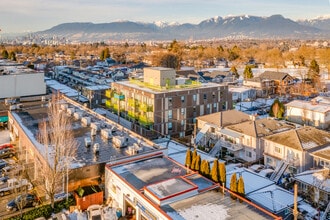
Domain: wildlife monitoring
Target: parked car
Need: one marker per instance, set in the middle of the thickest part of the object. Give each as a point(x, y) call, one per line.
point(3, 146)
point(22, 201)
point(6, 153)
point(3, 180)
point(3, 164)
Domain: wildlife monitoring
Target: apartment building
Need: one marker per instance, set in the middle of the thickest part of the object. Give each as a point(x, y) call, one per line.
point(164, 105)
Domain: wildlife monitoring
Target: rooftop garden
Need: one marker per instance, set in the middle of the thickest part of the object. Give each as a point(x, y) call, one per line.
point(189, 84)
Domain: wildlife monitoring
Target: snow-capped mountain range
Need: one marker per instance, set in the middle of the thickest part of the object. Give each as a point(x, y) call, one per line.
point(244, 26)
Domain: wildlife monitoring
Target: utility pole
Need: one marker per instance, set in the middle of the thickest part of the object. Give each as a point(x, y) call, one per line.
point(295, 195)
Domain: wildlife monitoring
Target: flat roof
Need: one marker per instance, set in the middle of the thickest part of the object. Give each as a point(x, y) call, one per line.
point(30, 117)
point(177, 88)
point(212, 205)
point(146, 172)
point(170, 187)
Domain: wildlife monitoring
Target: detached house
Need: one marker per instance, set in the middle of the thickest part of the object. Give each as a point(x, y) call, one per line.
point(251, 134)
point(312, 113)
point(263, 87)
point(283, 81)
point(292, 149)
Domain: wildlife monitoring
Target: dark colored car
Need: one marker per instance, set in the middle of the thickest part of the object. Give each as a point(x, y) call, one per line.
point(23, 201)
point(7, 152)
point(3, 164)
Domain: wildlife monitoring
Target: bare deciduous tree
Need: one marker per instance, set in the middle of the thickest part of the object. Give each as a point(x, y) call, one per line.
point(59, 146)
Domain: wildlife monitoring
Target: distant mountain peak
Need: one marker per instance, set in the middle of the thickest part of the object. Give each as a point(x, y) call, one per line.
point(230, 26)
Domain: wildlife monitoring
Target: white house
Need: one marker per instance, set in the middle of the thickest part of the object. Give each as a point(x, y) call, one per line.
point(242, 93)
point(312, 113)
point(294, 148)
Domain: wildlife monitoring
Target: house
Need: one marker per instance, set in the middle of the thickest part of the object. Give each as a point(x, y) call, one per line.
point(292, 149)
point(264, 87)
point(264, 192)
point(314, 186)
point(249, 135)
point(242, 93)
point(283, 81)
point(163, 105)
point(236, 134)
point(313, 113)
point(191, 74)
point(209, 127)
point(322, 158)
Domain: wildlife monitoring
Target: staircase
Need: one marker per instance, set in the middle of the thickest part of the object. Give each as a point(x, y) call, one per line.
point(280, 169)
point(201, 133)
point(216, 148)
point(326, 212)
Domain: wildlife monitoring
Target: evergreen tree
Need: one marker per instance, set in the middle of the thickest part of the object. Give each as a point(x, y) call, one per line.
point(233, 185)
point(106, 53)
point(222, 170)
point(5, 54)
point(207, 169)
point(215, 171)
point(234, 71)
point(277, 109)
point(248, 74)
point(102, 55)
point(240, 187)
point(194, 154)
point(12, 56)
point(188, 158)
point(314, 72)
point(198, 163)
point(193, 163)
point(202, 169)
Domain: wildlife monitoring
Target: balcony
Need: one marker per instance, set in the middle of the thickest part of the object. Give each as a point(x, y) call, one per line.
point(231, 146)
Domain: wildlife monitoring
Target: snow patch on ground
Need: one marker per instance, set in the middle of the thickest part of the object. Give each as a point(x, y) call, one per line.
point(201, 212)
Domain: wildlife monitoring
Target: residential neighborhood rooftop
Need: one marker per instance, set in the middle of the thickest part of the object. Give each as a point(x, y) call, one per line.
point(261, 127)
point(304, 138)
point(309, 105)
point(225, 118)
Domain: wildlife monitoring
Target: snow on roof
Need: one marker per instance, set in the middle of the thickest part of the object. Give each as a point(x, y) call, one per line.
point(252, 181)
point(317, 178)
point(317, 107)
point(177, 152)
point(62, 88)
point(201, 212)
point(169, 187)
point(273, 198)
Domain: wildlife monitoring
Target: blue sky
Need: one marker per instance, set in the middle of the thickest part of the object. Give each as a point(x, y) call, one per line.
point(36, 15)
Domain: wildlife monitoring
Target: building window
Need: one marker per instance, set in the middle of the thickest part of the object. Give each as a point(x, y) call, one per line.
point(170, 100)
point(269, 161)
point(182, 98)
point(170, 115)
point(277, 150)
point(248, 154)
point(182, 111)
point(170, 126)
point(213, 95)
point(194, 97)
point(205, 96)
point(182, 122)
